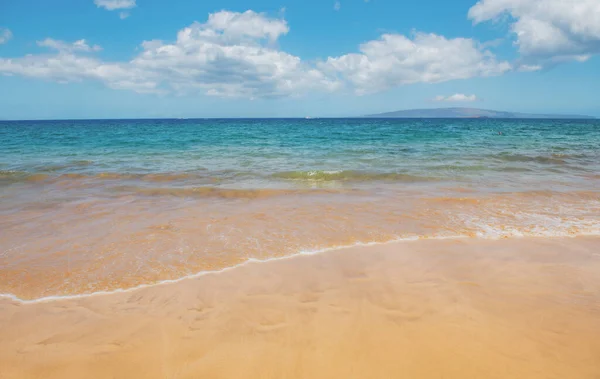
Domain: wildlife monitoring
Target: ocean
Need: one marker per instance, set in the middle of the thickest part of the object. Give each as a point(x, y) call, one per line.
point(104, 205)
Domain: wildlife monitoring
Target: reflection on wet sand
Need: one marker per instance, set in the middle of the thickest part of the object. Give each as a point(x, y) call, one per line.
point(76, 240)
point(519, 308)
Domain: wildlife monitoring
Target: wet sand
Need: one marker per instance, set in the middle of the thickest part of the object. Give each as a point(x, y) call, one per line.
point(515, 308)
point(87, 242)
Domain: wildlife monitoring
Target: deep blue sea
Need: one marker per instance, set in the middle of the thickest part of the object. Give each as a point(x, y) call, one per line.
point(147, 200)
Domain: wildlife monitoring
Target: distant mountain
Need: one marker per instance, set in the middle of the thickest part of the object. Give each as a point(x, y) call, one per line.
point(467, 113)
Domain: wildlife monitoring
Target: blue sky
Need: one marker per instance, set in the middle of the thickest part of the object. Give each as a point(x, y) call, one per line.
point(292, 58)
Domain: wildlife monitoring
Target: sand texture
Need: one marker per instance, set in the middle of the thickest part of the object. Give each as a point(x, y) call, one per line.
point(518, 308)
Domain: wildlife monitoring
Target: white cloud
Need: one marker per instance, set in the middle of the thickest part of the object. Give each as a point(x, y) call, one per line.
point(123, 15)
point(529, 67)
point(547, 31)
point(5, 35)
point(457, 97)
point(235, 54)
point(112, 5)
point(337, 6)
point(66, 66)
point(395, 60)
point(63, 46)
point(231, 55)
point(232, 26)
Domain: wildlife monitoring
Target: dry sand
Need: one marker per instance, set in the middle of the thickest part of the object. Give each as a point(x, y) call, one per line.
point(522, 308)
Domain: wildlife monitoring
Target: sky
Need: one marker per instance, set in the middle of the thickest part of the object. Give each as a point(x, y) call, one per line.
point(73, 59)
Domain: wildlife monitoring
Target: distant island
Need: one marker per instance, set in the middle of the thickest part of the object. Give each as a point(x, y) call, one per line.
point(468, 113)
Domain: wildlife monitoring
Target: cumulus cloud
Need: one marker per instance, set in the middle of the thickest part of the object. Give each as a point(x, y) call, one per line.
point(235, 54)
point(457, 97)
point(66, 66)
point(5, 35)
point(232, 54)
point(234, 26)
point(395, 60)
point(546, 31)
point(63, 46)
point(112, 5)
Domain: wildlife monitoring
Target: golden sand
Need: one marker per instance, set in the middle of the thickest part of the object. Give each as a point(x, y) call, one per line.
point(521, 308)
point(88, 243)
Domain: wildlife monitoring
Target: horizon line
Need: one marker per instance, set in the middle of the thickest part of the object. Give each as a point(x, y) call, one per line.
point(368, 117)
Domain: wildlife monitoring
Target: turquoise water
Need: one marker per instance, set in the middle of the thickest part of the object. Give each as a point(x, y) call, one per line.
point(257, 153)
point(91, 206)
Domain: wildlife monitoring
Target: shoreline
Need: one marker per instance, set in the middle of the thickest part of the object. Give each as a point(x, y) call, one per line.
point(210, 272)
point(52, 298)
point(86, 243)
point(429, 309)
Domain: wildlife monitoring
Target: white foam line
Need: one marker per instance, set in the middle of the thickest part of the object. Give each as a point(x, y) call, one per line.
point(249, 261)
point(211, 272)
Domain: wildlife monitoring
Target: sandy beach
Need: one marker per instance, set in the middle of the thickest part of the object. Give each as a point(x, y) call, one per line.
point(295, 190)
point(470, 308)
